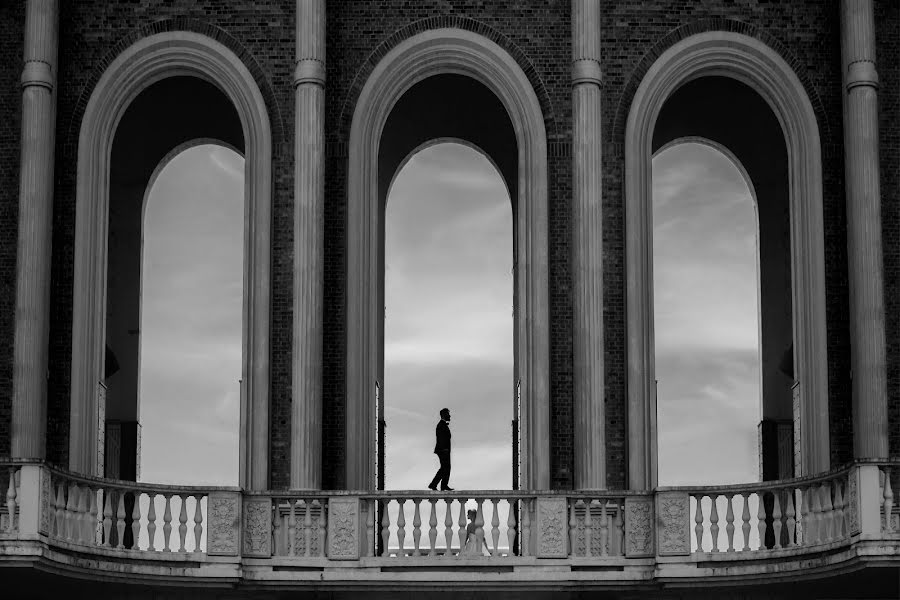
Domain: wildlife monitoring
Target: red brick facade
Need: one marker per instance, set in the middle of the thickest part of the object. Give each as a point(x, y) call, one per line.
point(261, 32)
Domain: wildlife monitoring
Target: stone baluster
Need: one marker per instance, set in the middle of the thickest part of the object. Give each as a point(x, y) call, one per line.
point(70, 512)
point(198, 523)
point(167, 522)
point(278, 529)
point(827, 513)
point(307, 527)
point(745, 522)
point(370, 528)
point(432, 527)
point(698, 522)
point(151, 521)
point(33, 251)
point(321, 526)
point(791, 521)
point(838, 518)
point(511, 527)
point(182, 523)
point(309, 232)
point(776, 518)
point(604, 529)
point(864, 231)
point(385, 527)
point(448, 529)
point(888, 501)
point(417, 526)
point(479, 525)
point(107, 518)
point(463, 534)
point(11, 495)
point(761, 518)
point(83, 523)
point(401, 528)
point(620, 528)
point(815, 529)
point(588, 529)
point(526, 526)
point(136, 518)
point(573, 527)
point(93, 517)
point(495, 529)
point(587, 257)
point(61, 511)
point(729, 522)
point(292, 528)
point(714, 522)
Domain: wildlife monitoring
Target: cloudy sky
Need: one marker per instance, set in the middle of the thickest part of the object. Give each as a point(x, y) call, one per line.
point(448, 328)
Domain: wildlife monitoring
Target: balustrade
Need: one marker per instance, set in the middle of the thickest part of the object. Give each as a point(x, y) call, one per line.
point(8, 520)
point(774, 515)
point(596, 526)
point(122, 515)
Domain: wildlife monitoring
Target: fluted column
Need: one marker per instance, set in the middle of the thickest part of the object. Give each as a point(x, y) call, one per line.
point(587, 259)
point(309, 198)
point(32, 319)
point(867, 337)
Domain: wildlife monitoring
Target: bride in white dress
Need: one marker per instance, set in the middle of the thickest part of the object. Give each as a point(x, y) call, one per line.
point(471, 547)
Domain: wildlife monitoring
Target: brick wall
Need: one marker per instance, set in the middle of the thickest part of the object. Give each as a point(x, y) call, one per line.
point(12, 27)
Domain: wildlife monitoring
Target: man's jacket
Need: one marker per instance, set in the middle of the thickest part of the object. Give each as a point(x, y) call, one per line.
point(442, 435)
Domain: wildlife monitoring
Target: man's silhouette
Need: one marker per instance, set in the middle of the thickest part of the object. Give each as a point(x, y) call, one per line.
point(442, 449)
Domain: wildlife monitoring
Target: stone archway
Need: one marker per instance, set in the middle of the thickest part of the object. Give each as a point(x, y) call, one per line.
point(148, 61)
point(737, 56)
point(431, 53)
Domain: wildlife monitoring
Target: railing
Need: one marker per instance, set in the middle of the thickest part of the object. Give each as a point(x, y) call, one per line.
point(313, 530)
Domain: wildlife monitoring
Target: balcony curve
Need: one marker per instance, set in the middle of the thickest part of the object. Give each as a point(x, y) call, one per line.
point(804, 529)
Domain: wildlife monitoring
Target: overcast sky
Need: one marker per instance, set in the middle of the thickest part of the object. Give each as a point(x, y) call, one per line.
point(448, 328)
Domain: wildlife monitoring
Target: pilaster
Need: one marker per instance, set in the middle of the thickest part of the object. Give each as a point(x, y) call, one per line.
point(867, 335)
point(32, 319)
point(587, 258)
point(309, 196)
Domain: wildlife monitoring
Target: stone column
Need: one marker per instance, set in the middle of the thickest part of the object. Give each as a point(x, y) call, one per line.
point(867, 336)
point(587, 259)
point(309, 198)
point(32, 319)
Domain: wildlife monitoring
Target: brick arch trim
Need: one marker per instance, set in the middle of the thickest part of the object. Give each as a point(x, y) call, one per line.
point(178, 24)
point(439, 22)
point(703, 26)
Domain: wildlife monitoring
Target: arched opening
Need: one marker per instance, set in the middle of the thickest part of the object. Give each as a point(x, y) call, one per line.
point(706, 315)
point(446, 84)
point(167, 117)
point(190, 317)
point(739, 94)
point(162, 93)
point(448, 321)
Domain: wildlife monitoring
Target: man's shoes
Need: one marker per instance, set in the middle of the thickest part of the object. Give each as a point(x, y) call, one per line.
point(446, 489)
point(433, 487)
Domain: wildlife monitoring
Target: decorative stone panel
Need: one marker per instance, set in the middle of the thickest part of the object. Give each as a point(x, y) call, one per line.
point(46, 509)
point(552, 527)
point(853, 500)
point(223, 523)
point(257, 533)
point(673, 510)
point(343, 528)
point(639, 527)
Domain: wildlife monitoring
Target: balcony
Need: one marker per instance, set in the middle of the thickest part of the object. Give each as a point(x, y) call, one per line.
point(770, 532)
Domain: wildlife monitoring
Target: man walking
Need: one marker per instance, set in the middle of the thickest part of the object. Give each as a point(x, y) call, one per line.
point(442, 449)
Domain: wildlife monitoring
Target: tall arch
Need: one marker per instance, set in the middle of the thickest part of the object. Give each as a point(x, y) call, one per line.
point(734, 55)
point(147, 61)
point(430, 53)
